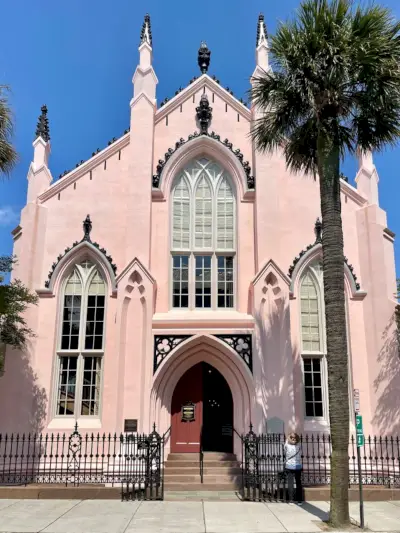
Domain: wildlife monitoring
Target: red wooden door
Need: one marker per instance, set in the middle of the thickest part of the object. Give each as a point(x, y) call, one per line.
point(185, 436)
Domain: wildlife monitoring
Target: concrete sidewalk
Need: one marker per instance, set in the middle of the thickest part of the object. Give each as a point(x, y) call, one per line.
point(110, 516)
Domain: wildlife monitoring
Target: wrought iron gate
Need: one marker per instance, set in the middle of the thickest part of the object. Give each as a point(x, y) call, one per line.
point(263, 476)
point(144, 463)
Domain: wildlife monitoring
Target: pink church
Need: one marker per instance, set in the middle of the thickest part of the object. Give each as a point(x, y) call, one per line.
point(179, 279)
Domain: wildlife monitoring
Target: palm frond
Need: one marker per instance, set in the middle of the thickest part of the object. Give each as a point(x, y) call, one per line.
point(8, 155)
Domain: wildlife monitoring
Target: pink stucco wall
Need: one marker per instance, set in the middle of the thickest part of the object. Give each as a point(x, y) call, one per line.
point(132, 222)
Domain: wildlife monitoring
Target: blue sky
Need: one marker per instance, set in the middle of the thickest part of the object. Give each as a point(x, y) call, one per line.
point(79, 56)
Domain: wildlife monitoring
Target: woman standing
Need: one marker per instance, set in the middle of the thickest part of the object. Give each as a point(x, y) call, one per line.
point(293, 467)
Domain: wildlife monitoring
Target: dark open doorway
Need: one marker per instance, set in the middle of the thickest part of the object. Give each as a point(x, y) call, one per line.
point(203, 393)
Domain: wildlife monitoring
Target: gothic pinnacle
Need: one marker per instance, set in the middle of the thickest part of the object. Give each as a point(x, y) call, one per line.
point(42, 128)
point(145, 34)
point(203, 58)
point(262, 34)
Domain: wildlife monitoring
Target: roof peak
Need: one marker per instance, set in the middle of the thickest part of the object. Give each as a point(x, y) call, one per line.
point(145, 34)
point(262, 35)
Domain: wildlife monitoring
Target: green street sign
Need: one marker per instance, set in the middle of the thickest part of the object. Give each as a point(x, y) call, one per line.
point(359, 425)
point(360, 441)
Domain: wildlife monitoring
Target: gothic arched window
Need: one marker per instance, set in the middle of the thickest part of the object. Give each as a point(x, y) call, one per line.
point(313, 342)
point(81, 343)
point(203, 244)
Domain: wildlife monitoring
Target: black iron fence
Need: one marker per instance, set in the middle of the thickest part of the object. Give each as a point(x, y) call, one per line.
point(133, 462)
point(263, 463)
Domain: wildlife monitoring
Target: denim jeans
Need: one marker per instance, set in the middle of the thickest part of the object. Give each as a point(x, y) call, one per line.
point(292, 476)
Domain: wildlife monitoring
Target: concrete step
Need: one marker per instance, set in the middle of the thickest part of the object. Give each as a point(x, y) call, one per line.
point(210, 463)
point(202, 495)
point(195, 478)
point(208, 456)
point(183, 487)
point(216, 470)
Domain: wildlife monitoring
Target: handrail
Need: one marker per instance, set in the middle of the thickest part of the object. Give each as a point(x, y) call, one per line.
point(168, 431)
point(201, 454)
point(238, 434)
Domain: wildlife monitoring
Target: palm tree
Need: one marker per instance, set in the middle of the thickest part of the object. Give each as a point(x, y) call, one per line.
point(8, 155)
point(335, 88)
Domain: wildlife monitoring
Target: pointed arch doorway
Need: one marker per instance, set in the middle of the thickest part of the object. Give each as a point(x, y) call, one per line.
point(202, 412)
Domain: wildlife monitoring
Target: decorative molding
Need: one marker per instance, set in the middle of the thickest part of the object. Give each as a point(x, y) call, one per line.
point(242, 344)
point(145, 34)
point(97, 159)
point(203, 58)
point(214, 78)
point(97, 151)
point(42, 128)
point(318, 230)
point(163, 346)
point(204, 114)
point(194, 86)
point(245, 164)
point(87, 228)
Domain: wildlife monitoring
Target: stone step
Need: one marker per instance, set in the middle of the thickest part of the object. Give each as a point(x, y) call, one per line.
point(195, 478)
point(183, 487)
point(210, 463)
point(202, 495)
point(216, 470)
point(212, 456)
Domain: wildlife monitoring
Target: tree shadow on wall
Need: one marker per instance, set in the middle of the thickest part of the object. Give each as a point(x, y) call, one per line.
point(23, 402)
point(387, 383)
point(275, 381)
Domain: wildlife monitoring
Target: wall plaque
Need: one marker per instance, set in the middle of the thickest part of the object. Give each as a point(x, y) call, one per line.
point(130, 425)
point(188, 412)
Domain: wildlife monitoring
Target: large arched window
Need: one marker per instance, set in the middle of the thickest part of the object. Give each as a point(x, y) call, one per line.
point(203, 244)
point(313, 342)
point(81, 343)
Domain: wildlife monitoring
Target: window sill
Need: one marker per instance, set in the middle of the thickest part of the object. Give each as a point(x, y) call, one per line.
point(69, 423)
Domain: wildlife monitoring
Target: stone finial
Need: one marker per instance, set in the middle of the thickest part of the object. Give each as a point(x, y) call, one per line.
point(262, 34)
point(204, 114)
point(318, 231)
point(87, 228)
point(145, 34)
point(42, 128)
point(204, 57)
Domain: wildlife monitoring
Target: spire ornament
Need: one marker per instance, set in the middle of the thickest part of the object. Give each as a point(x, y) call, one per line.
point(42, 128)
point(262, 34)
point(87, 228)
point(145, 34)
point(203, 58)
point(204, 114)
point(318, 231)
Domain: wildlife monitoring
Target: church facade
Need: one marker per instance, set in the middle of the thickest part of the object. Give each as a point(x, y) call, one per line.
point(179, 279)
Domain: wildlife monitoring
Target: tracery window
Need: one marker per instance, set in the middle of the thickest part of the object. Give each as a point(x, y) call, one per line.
point(81, 343)
point(313, 342)
point(203, 247)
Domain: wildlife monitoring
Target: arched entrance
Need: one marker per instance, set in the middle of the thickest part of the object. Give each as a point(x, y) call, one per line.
point(202, 411)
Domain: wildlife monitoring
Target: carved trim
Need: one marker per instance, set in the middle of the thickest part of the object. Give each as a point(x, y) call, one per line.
point(87, 228)
point(245, 164)
point(242, 344)
point(164, 345)
point(318, 229)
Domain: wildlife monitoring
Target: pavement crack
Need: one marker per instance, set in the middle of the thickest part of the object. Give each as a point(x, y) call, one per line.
point(133, 516)
point(61, 515)
point(204, 517)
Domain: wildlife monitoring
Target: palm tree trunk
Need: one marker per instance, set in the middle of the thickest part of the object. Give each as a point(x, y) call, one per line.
point(337, 358)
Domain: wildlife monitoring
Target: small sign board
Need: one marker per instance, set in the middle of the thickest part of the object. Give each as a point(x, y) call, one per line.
point(130, 425)
point(359, 425)
point(188, 412)
point(226, 430)
point(356, 397)
point(360, 441)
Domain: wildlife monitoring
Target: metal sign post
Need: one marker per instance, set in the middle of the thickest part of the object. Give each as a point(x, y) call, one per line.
point(360, 442)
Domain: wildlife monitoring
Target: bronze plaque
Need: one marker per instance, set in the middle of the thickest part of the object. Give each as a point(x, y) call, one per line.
point(188, 412)
point(130, 425)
